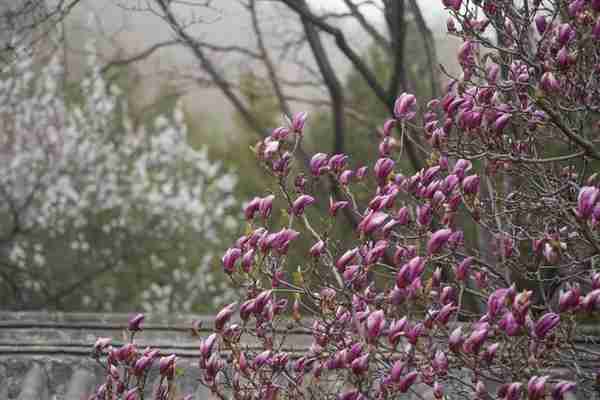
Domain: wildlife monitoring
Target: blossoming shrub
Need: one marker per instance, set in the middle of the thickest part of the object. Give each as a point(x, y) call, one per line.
point(123, 216)
point(411, 307)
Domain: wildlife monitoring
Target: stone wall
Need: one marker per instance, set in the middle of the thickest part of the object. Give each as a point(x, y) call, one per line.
point(47, 356)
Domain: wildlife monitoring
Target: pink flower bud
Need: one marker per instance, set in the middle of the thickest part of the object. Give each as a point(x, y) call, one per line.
point(536, 387)
point(513, 391)
point(372, 221)
point(229, 259)
point(132, 394)
point(586, 200)
point(360, 365)
point(509, 324)
point(440, 363)
point(346, 177)
point(141, 365)
point(318, 164)
point(452, 4)
point(248, 260)
point(375, 324)
point(298, 121)
point(424, 214)
point(461, 167)
point(561, 388)
point(224, 315)
point(541, 24)
point(383, 167)
point(462, 270)
point(438, 240)
point(101, 344)
point(596, 29)
point(549, 83)
point(405, 107)
point(496, 302)
point(251, 208)
point(135, 322)
point(546, 324)
point(334, 206)
point(438, 391)
point(265, 206)
point(476, 340)
point(501, 122)
point(564, 58)
point(388, 126)
point(596, 280)
point(166, 366)
point(301, 203)
point(317, 249)
point(361, 173)
point(407, 381)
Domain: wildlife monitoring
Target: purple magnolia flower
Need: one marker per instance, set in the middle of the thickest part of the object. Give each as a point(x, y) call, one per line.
point(135, 322)
point(424, 214)
point(263, 358)
point(440, 362)
point(141, 365)
point(334, 206)
point(224, 315)
point(562, 387)
point(346, 259)
point(251, 208)
point(346, 177)
point(265, 206)
point(298, 121)
point(407, 381)
point(166, 366)
point(405, 107)
point(207, 345)
point(471, 184)
point(549, 83)
point(444, 314)
point(388, 126)
point(372, 221)
point(131, 394)
point(360, 365)
point(586, 200)
point(546, 324)
point(496, 302)
point(596, 29)
point(301, 203)
point(462, 270)
point(513, 391)
point(452, 4)
point(318, 164)
point(438, 240)
point(280, 133)
point(568, 300)
point(501, 122)
point(564, 58)
point(476, 340)
point(536, 387)
point(337, 162)
point(317, 249)
point(541, 24)
point(229, 259)
point(383, 167)
point(509, 324)
point(375, 324)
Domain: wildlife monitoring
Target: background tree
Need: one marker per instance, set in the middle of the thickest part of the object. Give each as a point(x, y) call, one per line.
point(123, 215)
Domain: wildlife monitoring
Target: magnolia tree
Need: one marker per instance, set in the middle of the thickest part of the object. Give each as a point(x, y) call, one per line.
point(412, 307)
point(86, 201)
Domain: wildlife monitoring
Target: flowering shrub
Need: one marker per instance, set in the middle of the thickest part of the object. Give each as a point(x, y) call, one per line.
point(83, 192)
point(413, 306)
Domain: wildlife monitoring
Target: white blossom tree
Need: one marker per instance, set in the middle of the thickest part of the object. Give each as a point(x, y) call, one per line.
point(97, 214)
